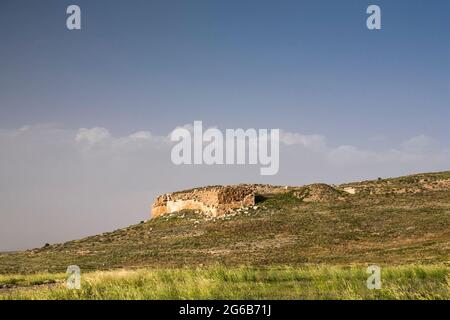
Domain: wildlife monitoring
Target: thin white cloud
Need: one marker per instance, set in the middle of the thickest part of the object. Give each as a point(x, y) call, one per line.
point(92, 136)
point(420, 144)
point(141, 135)
point(315, 141)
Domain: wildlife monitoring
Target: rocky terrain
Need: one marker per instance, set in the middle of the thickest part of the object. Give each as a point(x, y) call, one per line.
point(223, 200)
point(385, 221)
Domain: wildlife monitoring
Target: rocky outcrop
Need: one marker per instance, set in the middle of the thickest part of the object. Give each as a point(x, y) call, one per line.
point(212, 201)
point(409, 184)
point(318, 192)
point(219, 200)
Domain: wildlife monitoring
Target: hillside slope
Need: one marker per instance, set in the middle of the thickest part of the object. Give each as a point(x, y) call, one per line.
point(388, 222)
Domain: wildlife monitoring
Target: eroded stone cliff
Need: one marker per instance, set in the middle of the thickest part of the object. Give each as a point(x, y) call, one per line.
point(212, 201)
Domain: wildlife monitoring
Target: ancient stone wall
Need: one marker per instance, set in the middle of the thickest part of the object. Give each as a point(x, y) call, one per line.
point(213, 201)
point(219, 200)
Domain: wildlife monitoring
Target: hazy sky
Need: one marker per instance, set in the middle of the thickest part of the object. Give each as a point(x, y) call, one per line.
point(351, 103)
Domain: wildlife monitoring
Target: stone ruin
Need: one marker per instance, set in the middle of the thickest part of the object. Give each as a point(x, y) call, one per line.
point(219, 200)
point(212, 201)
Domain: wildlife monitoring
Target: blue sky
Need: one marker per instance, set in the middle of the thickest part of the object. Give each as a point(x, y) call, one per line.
point(309, 66)
point(85, 115)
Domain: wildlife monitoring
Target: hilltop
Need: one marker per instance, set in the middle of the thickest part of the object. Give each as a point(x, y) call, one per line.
point(386, 221)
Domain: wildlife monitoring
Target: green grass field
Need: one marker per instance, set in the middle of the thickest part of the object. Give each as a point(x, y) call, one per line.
point(308, 282)
point(323, 248)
